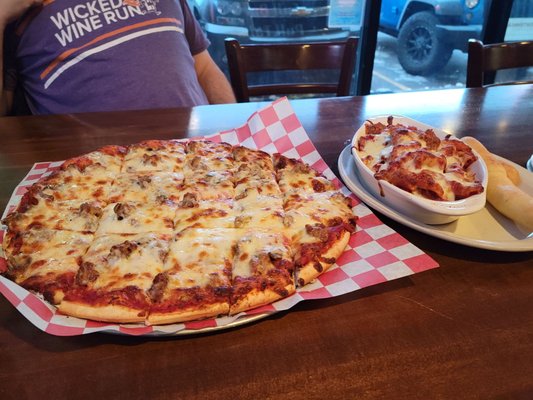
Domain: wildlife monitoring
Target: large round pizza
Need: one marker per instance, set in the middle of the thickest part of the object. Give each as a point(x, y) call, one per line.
point(170, 231)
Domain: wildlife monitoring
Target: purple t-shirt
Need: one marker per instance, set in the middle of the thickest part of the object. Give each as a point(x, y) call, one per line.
point(102, 55)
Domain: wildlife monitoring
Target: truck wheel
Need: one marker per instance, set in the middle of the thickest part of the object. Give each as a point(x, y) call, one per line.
point(420, 51)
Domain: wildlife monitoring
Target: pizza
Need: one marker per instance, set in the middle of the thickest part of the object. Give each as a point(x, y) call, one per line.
point(168, 231)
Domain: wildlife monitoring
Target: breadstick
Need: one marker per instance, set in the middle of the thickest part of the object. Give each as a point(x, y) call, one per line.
point(512, 172)
point(502, 193)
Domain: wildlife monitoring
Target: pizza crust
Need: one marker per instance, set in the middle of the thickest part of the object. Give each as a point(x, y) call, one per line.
point(107, 313)
point(55, 296)
point(257, 298)
point(209, 311)
point(309, 272)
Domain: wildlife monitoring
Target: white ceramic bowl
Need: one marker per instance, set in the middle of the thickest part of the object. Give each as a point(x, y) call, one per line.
point(419, 208)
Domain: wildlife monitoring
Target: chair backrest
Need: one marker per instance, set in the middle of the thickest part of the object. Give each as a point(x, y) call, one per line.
point(489, 58)
point(246, 58)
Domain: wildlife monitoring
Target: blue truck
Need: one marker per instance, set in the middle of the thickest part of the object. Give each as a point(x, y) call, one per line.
point(429, 30)
point(267, 21)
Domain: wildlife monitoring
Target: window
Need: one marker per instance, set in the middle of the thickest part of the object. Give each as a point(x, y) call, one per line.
point(263, 21)
point(519, 27)
point(422, 45)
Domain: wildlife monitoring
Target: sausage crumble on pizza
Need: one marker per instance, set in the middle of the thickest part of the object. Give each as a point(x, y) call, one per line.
point(171, 231)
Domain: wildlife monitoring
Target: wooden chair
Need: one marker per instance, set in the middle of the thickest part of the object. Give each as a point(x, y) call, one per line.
point(246, 58)
point(486, 59)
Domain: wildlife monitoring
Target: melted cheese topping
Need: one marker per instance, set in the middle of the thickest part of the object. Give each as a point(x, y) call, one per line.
point(53, 267)
point(303, 182)
point(72, 215)
point(51, 251)
point(260, 210)
point(118, 269)
point(145, 158)
point(48, 243)
point(112, 164)
point(206, 214)
point(313, 208)
point(137, 218)
point(198, 257)
point(247, 187)
point(256, 251)
point(397, 151)
point(147, 187)
point(209, 185)
point(93, 183)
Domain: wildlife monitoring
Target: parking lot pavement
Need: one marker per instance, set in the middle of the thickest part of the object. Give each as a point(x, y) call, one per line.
point(389, 76)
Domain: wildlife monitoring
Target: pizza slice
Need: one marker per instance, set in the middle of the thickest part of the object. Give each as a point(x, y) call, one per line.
point(252, 164)
point(115, 276)
point(45, 260)
point(110, 157)
point(209, 185)
point(262, 270)
point(254, 170)
point(132, 217)
point(204, 156)
point(296, 176)
point(245, 155)
point(207, 149)
point(41, 212)
point(266, 186)
point(257, 195)
point(256, 210)
point(193, 212)
point(147, 187)
point(320, 226)
point(196, 279)
point(77, 179)
point(155, 155)
point(208, 170)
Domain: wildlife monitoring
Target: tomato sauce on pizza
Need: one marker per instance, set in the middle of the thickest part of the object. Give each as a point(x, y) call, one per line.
point(169, 231)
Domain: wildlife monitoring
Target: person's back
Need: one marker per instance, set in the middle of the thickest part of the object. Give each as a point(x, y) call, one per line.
point(100, 55)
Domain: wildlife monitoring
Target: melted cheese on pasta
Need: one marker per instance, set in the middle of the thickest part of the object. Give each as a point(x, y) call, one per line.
point(398, 147)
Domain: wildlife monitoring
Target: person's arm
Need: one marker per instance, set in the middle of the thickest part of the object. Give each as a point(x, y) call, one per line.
point(9, 11)
point(213, 81)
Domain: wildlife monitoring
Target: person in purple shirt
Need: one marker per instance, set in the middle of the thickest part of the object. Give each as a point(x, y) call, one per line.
point(105, 55)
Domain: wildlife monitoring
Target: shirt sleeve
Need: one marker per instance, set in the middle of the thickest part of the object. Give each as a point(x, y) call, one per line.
point(198, 42)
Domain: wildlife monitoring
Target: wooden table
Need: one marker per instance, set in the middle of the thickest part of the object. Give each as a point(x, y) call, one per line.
point(464, 330)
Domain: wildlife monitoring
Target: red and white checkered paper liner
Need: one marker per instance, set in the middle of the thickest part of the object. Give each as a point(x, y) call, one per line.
point(375, 253)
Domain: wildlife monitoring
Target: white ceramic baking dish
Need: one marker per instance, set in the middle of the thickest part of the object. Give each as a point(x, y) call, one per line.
point(419, 208)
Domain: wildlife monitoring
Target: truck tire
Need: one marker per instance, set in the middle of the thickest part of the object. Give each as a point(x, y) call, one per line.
point(420, 51)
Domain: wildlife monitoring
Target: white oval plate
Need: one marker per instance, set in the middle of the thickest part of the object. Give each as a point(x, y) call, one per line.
point(486, 229)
